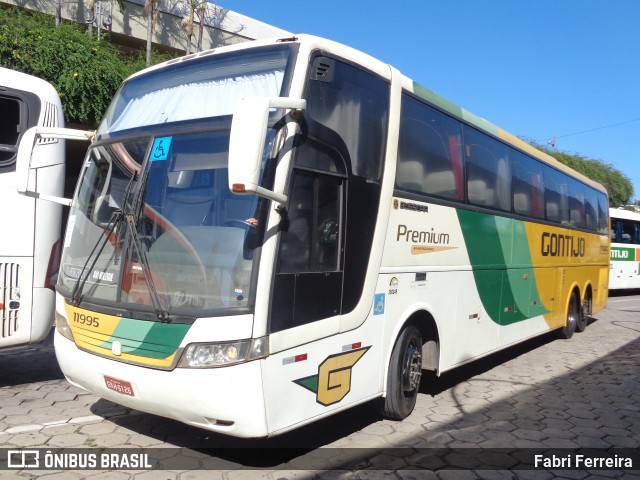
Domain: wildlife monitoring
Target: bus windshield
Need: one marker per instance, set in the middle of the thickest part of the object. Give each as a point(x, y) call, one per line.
point(153, 225)
point(153, 217)
point(204, 87)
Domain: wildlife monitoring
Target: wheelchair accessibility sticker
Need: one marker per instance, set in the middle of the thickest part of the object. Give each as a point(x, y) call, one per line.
point(160, 149)
point(378, 304)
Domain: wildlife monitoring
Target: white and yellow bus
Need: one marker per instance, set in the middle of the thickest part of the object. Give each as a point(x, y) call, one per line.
point(30, 234)
point(625, 249)
point(268, 233)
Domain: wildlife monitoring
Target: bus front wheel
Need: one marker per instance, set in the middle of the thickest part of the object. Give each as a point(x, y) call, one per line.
point(403, 379)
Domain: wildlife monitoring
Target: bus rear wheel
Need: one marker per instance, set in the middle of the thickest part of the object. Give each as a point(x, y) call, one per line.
point(403, 380)
point(573, 317)
point(584, 314)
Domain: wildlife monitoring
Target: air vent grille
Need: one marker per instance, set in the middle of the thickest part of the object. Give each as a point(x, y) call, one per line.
point(323, 69)
point(49, 119)
point(9, 298)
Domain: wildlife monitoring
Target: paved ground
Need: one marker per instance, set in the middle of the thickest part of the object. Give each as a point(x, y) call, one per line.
point(548, 396)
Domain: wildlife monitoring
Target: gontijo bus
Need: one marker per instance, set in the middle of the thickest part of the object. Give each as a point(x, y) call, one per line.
point(625, 249)
point(30, 235)
point(268, 233)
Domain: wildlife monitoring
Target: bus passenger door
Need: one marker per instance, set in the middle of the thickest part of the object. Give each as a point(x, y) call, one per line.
point(308, 280)
point(307, 295)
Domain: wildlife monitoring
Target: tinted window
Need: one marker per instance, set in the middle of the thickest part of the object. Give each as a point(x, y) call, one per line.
point(429, 152)
point(316, 156)
point(603, 213)
point(528, 194)
point(577, 212)
point(556, 196)
point(309, 277)
point(311, 240)
point(591, 209)
point(10, 129)
point(488, 177)
point(625, 231)
point(352, 107)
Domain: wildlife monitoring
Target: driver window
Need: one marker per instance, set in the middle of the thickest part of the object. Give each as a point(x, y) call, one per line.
point(308, 281)
point(310, 240)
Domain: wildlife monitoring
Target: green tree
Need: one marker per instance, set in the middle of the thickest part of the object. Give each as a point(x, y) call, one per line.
point(85, 72)
point(617, 183)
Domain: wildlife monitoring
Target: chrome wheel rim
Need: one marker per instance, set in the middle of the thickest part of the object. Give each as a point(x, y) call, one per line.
point(412, 371)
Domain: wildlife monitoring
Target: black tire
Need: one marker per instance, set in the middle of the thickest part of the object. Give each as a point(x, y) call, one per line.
point(403, 380)
point(573, 315)
point(584, 314)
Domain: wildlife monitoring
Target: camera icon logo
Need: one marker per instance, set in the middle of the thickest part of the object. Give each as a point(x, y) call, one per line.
point(23, 459)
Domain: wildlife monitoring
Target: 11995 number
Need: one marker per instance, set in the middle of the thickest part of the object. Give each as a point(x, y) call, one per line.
point(84, 319)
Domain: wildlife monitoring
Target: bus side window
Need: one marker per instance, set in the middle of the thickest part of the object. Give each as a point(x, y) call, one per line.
point(577, 214)
point(429, 152)
point(10, 129)
point(527, 185)
point(628, 232)
point(591, 209)
point(603, 214)
point(488, 177)
point(614, 230)
point(555, 196)
point(355, 105)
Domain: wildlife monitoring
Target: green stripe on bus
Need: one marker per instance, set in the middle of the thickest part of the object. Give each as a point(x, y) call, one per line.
point(452, 108)
point(502, 266)
point(437, 100)
point(148, 339)
point(480, 122)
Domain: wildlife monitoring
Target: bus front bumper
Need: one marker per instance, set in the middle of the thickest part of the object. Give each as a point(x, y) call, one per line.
point(227, 400)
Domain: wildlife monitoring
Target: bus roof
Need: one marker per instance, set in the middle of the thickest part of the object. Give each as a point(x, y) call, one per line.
point(23, 81)
point(623, 213)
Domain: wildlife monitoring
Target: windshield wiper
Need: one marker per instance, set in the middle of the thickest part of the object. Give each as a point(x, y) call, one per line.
point(114, 221)
point(161, 312)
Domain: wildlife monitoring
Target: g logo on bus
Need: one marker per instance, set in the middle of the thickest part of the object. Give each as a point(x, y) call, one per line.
point(333, 381)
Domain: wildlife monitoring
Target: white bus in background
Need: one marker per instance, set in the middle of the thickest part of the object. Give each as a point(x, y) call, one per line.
point(30, 231)
point(625, 249)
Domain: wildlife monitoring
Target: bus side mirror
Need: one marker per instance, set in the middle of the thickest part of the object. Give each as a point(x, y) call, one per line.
point(27, 161)
point(246, 144)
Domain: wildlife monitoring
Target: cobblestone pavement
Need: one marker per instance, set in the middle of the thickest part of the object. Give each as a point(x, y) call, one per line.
point(544, 394)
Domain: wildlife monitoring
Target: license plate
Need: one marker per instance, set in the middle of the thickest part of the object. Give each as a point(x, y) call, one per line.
point(119, 386)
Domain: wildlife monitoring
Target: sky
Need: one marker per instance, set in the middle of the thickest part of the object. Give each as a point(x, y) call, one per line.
point(539, 69)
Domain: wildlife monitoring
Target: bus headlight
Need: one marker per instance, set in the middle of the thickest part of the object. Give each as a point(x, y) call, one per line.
point(62, 326)
point(209, 355)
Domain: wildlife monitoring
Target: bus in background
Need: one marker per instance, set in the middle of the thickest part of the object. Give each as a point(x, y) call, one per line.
point(625, 249)
point(268, 233)
point(31, 228)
